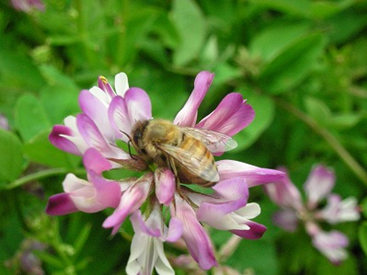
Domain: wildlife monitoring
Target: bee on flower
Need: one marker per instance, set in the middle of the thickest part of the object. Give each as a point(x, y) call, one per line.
point(171, 156)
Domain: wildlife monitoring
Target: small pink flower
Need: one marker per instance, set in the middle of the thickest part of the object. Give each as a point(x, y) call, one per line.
point(27, 5)
point(317, 187)
point(4, 124)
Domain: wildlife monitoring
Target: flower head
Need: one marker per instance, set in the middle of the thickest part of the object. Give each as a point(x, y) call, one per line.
point(317, 187)
point(169, 154)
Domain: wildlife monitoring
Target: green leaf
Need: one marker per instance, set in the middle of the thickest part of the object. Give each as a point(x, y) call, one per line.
point(294, 146)
point(63, 40)
point(273, 40)
point(137, 28)
point(325, 9)
point(292, 65)
point(344, 121)
point(60, 97)
point(264, 114)
point(362, 233)
point(155, 50)
point(346, 24)
point(11, 159)
point(299, 7)
point(210, 52)
point(225, 72)
point(40, 150)
point(161, 86)
point(19, 71)
point(253, 255)
point(317, 109)
point(30, 117)
point(364, 207)
point(191, 26)
point(50, 259)
point(322, 266)
point(56, 78)
point(164, 26)
point(81, 239)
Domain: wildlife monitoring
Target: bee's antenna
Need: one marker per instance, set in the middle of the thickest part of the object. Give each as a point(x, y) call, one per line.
point(128, 145)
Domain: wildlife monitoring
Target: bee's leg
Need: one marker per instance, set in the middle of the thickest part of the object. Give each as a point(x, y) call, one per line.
point(172, 165)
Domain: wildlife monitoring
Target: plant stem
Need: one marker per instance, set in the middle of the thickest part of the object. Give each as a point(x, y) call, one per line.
point(330, 138)
point(41, 174)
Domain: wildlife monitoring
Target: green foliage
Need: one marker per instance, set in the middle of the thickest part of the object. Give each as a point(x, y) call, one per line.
point(11, 159)
point(301, 65)
point(188, 17)
point(363, 236)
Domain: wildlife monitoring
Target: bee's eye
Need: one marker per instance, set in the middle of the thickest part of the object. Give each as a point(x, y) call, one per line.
point(137, 136)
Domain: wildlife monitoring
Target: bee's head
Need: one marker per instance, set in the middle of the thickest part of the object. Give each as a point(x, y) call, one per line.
point(137, 134)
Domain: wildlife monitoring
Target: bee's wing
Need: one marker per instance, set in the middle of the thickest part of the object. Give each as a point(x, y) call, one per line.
point(196, 166)
point(214, 141)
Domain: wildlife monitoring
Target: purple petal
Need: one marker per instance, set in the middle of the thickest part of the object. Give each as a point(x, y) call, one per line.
point(332, 245)
point(4, 123)
point(119, 117)
point(237, 122)
point(175, 230)
point(254, 175)
point(94, 161)
point(319, 183)
point(93, 196)
point(108, 193)
point(97, 112)
point(140, 225)
point(92, 135)
point(256, 231)
point(60, 204)
point(165, 183)
point(286, 219)
point(131, 201)
point(338, 210)
point(231, 190)
point(27, 5)
point(194, 235)
point(138, 105)
point(230, 117)
point(57, 138)
point(284, 193)
point(218, 216)
point(188, 114)
point(230, 195)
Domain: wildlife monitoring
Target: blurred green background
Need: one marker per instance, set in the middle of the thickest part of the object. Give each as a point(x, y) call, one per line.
point(301, 64)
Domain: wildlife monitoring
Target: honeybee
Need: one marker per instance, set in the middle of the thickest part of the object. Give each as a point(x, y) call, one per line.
point(186, 151)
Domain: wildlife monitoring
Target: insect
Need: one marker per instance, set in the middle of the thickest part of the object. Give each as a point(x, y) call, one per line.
point(186, 151)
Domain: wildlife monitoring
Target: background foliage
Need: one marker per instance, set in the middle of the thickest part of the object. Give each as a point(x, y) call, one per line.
point(301, 64)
